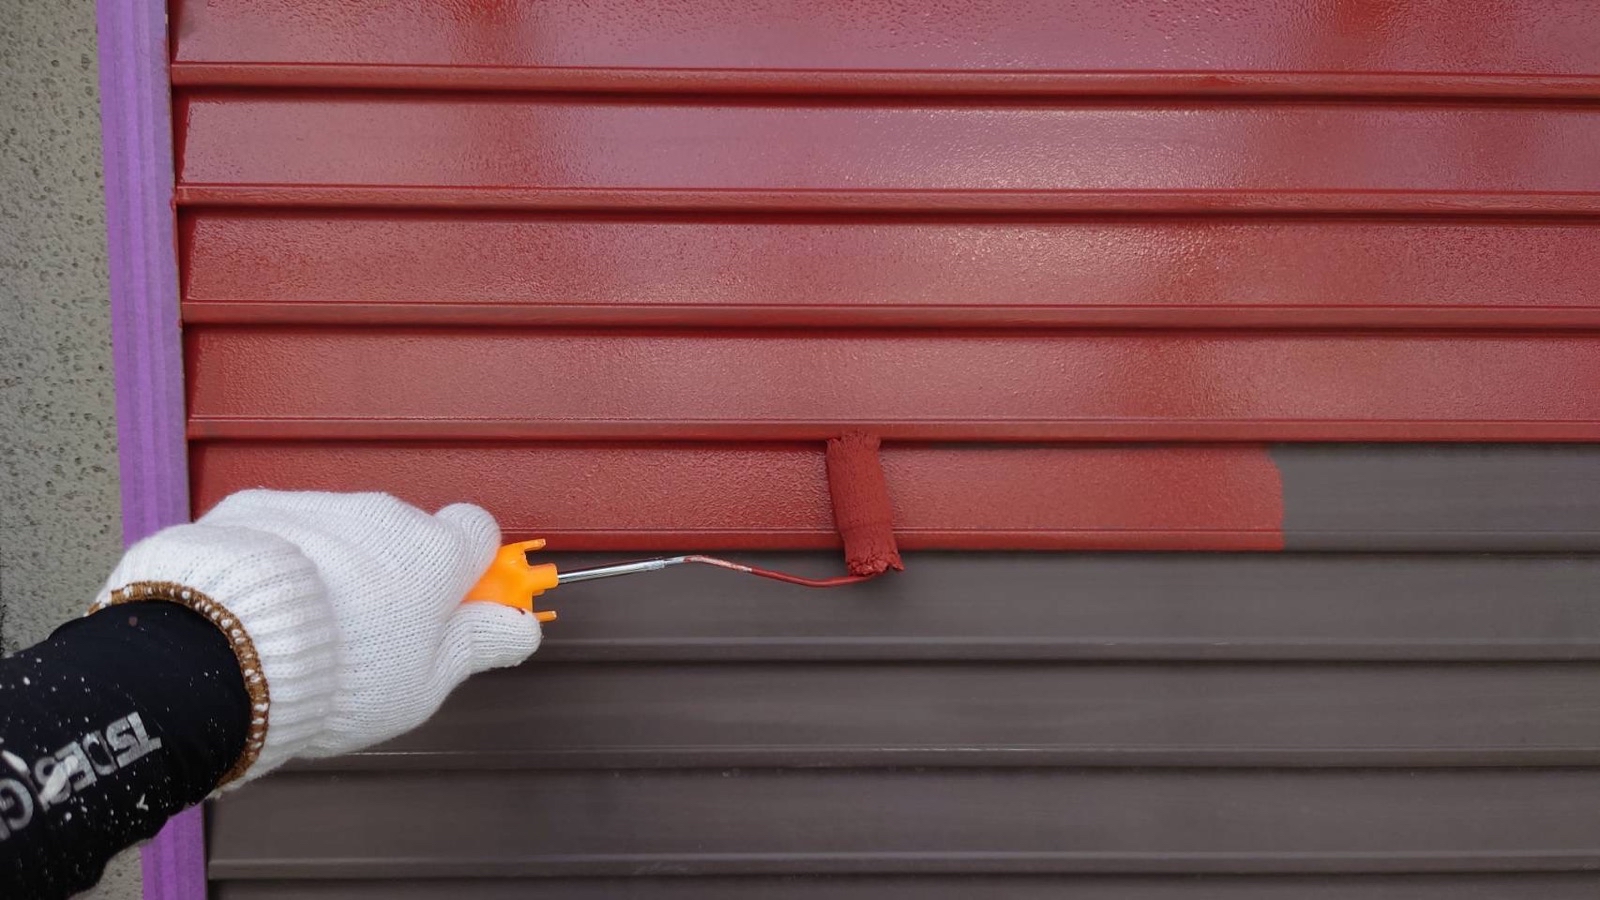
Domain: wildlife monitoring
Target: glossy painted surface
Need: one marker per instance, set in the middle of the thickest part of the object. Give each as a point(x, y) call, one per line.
point(530, 142)
point(307, 383)
point(774, 496)
point(1482, 36)
point(443, 268)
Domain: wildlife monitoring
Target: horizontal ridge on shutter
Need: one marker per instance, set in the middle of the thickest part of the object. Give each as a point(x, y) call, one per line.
point(1528, 49)
point(1477, 886)
point(950, 821)
point(444, 269)
point(502, 384)
point(936, 714)
point(376, 148)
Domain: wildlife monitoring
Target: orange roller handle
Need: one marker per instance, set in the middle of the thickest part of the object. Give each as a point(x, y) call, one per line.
point(513, 581)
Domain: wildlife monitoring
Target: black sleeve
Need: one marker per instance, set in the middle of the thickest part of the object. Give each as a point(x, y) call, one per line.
point(114, 723)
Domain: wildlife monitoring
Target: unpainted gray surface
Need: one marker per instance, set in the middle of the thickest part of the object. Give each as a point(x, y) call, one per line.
point(1487, 886)
point(1458, 497)
point(59, 517)
point(1112, 726)
point(1007, 714)
point(475, 824)
point(1127, 607)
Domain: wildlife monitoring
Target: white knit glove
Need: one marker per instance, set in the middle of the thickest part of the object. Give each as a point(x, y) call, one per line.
point(344, 609)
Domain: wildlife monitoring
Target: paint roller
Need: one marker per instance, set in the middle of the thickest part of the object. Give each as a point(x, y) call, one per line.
point(861, 512)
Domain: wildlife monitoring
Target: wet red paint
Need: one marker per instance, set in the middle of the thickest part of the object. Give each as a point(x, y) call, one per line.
point(533, 142)
point(647, 496)
point(1529, 36)
point(330, 384)
point(496, 269)
point(443, 248)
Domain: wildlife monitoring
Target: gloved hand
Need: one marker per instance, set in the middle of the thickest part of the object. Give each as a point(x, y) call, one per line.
point(344, 610)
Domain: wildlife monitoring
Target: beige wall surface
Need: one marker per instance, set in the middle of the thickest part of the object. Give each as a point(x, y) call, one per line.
point(59, 519)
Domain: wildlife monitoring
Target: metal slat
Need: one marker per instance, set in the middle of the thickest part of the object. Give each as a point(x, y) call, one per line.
point(1429, 498)
point(1488, 886)
point(1372, 498)
point(499, 270)
point(504, 384)
point(1401, 158)
point(1006, 714)
point(990, 607)
point(950, 821)
point(1214, 47)
point(638, 496)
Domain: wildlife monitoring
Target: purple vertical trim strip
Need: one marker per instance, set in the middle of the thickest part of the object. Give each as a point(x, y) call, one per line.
point(136, 123)
point(136, 128)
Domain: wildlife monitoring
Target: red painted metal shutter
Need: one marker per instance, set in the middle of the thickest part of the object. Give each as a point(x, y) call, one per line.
point(1140, 276)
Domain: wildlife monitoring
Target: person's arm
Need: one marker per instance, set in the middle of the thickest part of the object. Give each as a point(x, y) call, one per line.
point(107, 728)
point(278, 626)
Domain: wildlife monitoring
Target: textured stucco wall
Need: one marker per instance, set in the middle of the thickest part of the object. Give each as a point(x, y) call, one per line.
point(59, 518)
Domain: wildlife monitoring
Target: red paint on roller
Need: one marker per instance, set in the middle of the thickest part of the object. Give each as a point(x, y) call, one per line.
point(861, 507)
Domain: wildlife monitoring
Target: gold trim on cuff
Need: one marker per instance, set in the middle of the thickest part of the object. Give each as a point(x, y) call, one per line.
point(244, 650)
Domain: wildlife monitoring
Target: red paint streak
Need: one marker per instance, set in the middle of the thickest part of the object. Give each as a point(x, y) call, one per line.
point(651, 497)
point(861, 505)
point(326, 384)
point(1542, 36)
point(440, 269)
point(516, 142)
